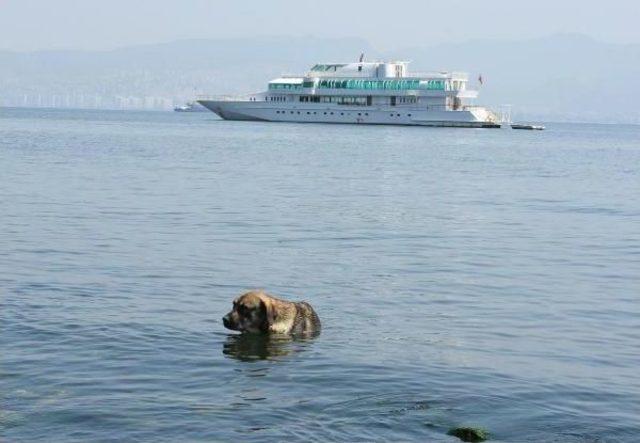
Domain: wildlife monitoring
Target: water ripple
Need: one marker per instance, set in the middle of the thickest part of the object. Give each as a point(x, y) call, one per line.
point(480, 278)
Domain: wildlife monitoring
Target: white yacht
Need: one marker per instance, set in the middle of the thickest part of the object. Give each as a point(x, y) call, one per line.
point(364, 93)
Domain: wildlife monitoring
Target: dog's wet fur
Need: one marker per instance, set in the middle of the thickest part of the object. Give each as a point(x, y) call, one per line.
point(258, 312)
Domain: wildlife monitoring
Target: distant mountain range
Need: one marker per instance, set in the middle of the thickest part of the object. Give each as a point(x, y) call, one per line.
point(560, 77)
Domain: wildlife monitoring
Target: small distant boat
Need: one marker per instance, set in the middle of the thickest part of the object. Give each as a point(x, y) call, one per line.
point(190, 107)
point(529, 127)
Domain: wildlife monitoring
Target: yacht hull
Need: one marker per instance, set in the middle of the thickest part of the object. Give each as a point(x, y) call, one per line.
point(312, 113)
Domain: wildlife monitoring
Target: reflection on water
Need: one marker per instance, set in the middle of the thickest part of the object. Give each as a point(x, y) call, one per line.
point(252, 347)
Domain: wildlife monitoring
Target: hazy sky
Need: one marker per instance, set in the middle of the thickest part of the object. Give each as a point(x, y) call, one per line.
point(106, 24)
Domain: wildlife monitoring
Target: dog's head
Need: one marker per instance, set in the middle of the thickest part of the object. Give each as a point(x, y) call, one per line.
point(252, 312)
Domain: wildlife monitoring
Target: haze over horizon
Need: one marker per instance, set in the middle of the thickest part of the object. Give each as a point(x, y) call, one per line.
point(30, 25)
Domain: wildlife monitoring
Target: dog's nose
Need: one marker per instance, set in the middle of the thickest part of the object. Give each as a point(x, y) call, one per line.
point(225, 321)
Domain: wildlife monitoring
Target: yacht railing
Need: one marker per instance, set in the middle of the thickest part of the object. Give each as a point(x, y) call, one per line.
point(456, 75)
point(232, 98)
point(439, 75)
point(292, 75)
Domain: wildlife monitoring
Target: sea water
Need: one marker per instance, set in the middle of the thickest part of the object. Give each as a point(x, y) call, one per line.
point(464, 277)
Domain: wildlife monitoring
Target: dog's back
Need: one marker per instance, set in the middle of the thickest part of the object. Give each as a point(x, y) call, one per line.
point(306, 319)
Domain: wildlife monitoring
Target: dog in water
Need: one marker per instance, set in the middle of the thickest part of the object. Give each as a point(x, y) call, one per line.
point(257, 311)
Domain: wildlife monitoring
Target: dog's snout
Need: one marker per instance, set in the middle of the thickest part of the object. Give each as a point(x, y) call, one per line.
point(226, 321)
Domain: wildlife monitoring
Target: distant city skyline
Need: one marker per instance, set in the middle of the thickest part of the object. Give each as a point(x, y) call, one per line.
point(29, 25)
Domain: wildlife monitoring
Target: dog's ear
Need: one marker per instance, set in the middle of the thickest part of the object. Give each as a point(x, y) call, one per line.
point(268, 313)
